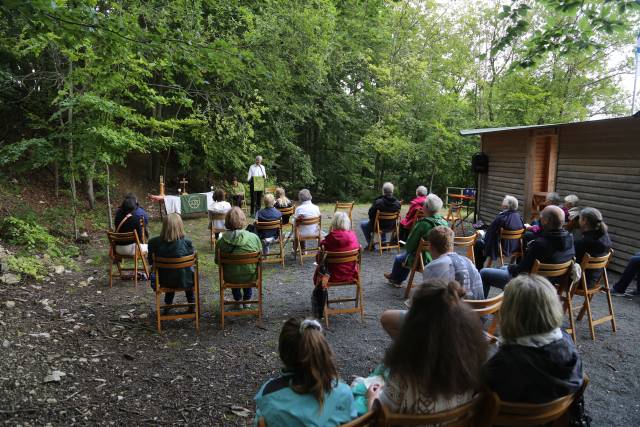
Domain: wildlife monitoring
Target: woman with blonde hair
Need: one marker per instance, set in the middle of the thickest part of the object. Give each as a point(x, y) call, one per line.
point(282, 202)
point(171, 243)
point(537, 361)
point(309, 391)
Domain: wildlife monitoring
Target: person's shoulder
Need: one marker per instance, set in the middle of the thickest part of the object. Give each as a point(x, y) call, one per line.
point(274, 385)
point(155, 241)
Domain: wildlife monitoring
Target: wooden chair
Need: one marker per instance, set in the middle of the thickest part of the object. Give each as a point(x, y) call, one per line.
point(226, 259)
point(362, 421)
point(288, 212)
point(339, 258)
point(485, 307)
point(317, 220)
point(116, 239)
point(378, 231)
point(511, 235)
point(463, 416)
point(454, 216)
point(213, 217)
point(189, 261)
point(143, 238)
point(594, 264)
point(565, 289)
point(418, 265)
point(538, 202)
point(244, 207)
point(270, 190)
point(267, 226)
point(345, 207)
point(555, 413)
point(466, 242)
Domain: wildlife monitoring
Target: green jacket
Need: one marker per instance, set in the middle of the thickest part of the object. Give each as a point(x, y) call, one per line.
point(419, 231)
point(239, 241)
point(179, 278)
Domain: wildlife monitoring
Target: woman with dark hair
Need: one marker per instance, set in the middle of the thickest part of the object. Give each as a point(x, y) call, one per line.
point(126, 221)
point(435, 362)
point(309, 391)
point(595, 240)
point(219, 206)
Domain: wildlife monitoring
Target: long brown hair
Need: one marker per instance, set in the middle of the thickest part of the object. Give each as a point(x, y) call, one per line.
point(305, 351)
point(441, 347)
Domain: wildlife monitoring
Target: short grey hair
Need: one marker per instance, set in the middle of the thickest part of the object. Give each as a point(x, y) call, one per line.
point(304, 195)
point(572, 200)
point(387, 188)
point(341, 221)
point(510, 202)
point(433, 203)
point(531, 306)
point(554, 215)
point(593, 218)
point(259, 158)
point(422, 190)
point(554, 199)
point(269, 200)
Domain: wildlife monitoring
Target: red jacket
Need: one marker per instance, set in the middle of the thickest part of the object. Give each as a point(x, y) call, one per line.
point(340, 241)
point(414, 207)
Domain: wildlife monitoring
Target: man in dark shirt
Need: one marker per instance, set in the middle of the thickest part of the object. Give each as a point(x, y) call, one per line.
point(384, 203)
point(554, 245)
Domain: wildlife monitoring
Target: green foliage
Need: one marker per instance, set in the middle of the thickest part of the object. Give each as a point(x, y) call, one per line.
point(33, 237)
point(26, 264)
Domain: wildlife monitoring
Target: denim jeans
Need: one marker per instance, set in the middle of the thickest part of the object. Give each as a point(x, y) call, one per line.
point(496, 277)
point(631, 271)
point(399, 272)
point(244, 295)
point(367, 229)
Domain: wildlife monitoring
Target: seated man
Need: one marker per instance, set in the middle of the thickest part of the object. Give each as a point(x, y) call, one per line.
point(403, 262)
point(384, 203)
point(446, 265)
point(554, 245)
point(414, 207)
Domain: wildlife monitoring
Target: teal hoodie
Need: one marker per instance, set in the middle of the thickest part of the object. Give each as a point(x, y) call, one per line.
point(239, 242)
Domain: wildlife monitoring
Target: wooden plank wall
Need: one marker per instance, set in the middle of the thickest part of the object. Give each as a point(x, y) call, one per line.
point(507, 154)
point(600, 163)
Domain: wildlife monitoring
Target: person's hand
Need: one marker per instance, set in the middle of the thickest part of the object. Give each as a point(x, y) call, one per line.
point(374, 390)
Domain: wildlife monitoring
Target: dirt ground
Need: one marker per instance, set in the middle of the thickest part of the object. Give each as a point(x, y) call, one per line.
point(75, 352)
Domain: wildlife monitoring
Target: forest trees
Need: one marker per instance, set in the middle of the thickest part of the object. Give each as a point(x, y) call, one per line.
point(336, 95)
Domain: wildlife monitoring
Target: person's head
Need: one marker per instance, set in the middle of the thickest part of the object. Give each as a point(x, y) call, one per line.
point(421, 191)
point(440, 240)
point(591, 219)
point(280, 193)
point(304, 195)
point(387, 189)
point(341, 221)
point(172, 228)
point(128, 205)
point(258, 160)
point(531, 306)
point(131, 196)
point(571, 201)
point(432, 205)
point(234, 181)
point(218, 195)
point(304, 350)
point(235, 219)
point(510, 203)
point(441, 346)
point(553, 199)
point(269, 200)
point(552, 218)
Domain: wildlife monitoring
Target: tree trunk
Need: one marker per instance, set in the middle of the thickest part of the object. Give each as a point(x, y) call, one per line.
point(109, 197)
point(56, 178)
point(90, 193)
point(70, 153)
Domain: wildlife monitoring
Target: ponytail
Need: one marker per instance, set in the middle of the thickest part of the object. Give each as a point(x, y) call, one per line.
point(593, 218)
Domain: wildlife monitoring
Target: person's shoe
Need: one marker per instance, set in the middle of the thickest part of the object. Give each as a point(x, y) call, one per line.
point(392, 282)
point(632, 293)
point(617, 293)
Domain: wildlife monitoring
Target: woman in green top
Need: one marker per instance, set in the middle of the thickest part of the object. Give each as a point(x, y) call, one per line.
point(237, 192)
point(237, 240)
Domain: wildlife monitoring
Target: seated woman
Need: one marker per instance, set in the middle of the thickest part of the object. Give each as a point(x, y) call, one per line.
point(306, 209)
point(340, 239)
point(219, 206)
point(309, 391)
point(268, 213)
point(537, 361)
point(595, 240)
point(238, 240)
point(237, 192)
point(171, 243)
point(126, 221)
point(412, 214)
point(435, 362)
point(488, 248)
point(282, 202)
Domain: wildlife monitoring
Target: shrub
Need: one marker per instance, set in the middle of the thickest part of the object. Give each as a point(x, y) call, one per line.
point(29, 265)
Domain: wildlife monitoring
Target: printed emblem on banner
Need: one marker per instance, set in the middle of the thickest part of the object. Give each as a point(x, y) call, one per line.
point(194, 202)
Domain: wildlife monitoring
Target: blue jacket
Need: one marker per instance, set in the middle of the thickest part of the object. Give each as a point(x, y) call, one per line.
point(268, 214)
point(509, 220)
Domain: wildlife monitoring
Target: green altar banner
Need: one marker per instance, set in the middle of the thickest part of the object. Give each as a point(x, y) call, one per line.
point(258, 183)
point(193, 203)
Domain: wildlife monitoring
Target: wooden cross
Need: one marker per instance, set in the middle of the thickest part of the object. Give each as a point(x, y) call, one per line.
point(184, 185)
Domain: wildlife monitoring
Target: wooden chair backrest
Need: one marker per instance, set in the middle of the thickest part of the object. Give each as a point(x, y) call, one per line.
point(175, 263)
point(511, 234)
point(552, 270)
point(530, 414)
point(465, 241)
point(595, 263)
point(122, 238)
point(486, 306)
point(462, 416)
point(217, 216)
point(239, 259)
point(386, 216)
point(268, 225)
point(361, 421)
point(287, 211)
point(143, 238)
point(418, 260)
point(346, 206)
point(342, 257)
point(308, 220)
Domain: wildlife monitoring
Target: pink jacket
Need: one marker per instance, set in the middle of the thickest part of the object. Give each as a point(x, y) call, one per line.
point(414, 207)
point(340, 241)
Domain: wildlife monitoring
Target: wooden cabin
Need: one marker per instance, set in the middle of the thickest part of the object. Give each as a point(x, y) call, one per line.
point(599, 161)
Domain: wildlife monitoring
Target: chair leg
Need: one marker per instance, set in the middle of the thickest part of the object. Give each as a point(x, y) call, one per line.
point(607, 291)
point(326, 313)
point(260, 301)
point(587, 302)
point(361, 301)
point(221, 305)
point(409, 283)
point(571, 321)
point(110, 272)
point(158, 326)
point(197, 307)
point(135, 270)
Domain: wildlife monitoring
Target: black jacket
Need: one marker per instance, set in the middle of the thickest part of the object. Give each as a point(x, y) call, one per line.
point(535, 374)
point(383, 204)
point(178, 278)
point(595, 243)
point(551, 247)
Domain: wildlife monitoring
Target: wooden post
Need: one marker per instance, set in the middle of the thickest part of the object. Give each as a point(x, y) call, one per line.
point(161, 185)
